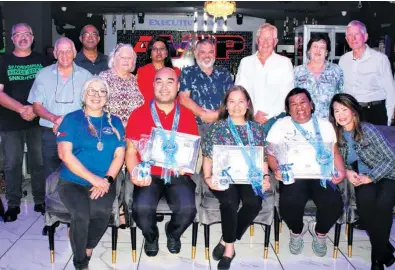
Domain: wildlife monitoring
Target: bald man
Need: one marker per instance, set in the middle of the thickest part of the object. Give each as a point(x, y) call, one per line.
point(56, 92)
point(180, 193)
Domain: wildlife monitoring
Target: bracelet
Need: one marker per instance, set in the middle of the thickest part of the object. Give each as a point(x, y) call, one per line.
point(266, 174)
point(109, 179)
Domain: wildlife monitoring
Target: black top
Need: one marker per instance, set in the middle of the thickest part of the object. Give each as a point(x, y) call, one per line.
point(17, 74)
point(100, 64)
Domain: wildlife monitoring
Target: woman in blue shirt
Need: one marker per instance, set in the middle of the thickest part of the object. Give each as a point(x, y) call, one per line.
point(370, 162)
point(92, 150)
point(321, 78)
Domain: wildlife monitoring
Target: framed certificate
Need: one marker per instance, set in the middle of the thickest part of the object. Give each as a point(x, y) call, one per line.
point(230, 158)
point(186, 156)
point(303, 157)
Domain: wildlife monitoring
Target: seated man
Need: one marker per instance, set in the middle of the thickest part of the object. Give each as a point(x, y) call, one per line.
point(301, 125)
point(163, 111)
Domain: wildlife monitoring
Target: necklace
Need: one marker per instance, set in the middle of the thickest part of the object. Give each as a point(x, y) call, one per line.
point(100, 145)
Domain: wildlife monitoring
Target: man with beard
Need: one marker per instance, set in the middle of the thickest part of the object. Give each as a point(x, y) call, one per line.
point(164, 111)
point(203, 86)
point(89, 57)
point(18, 122)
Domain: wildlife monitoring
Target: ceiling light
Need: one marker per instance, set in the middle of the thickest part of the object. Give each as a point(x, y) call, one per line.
point(220, 8)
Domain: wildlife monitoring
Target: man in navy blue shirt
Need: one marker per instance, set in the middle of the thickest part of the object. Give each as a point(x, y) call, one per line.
point(89, 57)
point(203, 85)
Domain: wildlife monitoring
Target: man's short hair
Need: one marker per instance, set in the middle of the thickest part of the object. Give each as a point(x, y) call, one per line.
point(204, 41)
point(267, 26)
point(83, 29)
point(361, 25)
point(13, 29)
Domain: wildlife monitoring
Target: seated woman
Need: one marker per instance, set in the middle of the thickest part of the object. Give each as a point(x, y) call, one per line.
point(321, 78)
point(302, 126)
point(92, 150)
point(370, 163)
point(157, 57)
point(235, 127)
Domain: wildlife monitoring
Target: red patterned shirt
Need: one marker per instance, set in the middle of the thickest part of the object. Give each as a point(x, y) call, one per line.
point(125, 95)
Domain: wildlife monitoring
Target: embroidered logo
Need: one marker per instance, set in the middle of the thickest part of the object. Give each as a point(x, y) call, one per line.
point(107, 131)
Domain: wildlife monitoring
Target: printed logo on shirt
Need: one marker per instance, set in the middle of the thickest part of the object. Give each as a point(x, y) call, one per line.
point(61, 134)
point(23, 72)
point(107, 131)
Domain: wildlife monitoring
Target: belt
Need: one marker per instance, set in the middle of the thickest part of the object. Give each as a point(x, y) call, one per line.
point(372, 103)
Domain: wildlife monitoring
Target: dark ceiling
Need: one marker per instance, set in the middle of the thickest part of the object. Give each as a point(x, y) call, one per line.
point(270, 10)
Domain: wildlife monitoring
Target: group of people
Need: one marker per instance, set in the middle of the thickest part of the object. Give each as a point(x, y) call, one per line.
point(88, 114)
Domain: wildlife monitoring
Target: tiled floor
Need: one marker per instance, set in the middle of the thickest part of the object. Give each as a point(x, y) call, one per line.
point(22, 246)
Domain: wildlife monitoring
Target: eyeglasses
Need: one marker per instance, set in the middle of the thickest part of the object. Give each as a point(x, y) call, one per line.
point(93, 92)
point(56, 91)
point(26, 34)
point(87, 35)
point(162, 49)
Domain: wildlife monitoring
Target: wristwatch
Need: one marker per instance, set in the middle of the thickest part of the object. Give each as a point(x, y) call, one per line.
point(109, 178)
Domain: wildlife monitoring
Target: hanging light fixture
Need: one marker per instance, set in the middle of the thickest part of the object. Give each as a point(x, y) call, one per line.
point(225, 25)
point(205, 21)
point(219, 9)
point(195, 22)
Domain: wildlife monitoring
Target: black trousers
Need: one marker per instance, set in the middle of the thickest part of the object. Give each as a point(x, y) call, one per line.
point(375, 114)
point(233, 223)
point(375, 203)
point(49, 151)
point(180, 196)
point(293, 199)
point(13, 143)
point(89, 218)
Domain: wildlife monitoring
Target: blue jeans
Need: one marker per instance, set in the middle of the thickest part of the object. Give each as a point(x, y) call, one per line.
point(49, 151)
point(13, 143)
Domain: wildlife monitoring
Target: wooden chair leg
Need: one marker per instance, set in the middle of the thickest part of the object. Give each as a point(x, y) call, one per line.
point(194, 238)
point(350, 238)
point(346, 231)
point(68, 230)
point(267, 240)
point(276, 231)
point(337, 240)
point(207, 241)
point(133, 235)
point(114, 240)
point(51, 239)
point(252, 230)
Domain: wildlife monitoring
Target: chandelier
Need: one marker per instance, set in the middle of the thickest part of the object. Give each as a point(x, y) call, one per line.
point(220, 9)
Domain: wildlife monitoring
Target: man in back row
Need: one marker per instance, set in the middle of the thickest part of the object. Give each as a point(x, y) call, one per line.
point(18, 122)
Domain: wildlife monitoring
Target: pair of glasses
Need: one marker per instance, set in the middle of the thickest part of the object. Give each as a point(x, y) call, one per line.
point(56, 91)
point(92, 92)
point(267, 39)
point(26, 34)
point(87, 35)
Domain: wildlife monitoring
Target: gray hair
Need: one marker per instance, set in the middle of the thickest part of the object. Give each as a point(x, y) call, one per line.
point(116, 50)
point(267, 26)
point(13, 29)
point(83, 29)
point(91, 80)
point(362, 26)
point(204, 41)
point(60, 40)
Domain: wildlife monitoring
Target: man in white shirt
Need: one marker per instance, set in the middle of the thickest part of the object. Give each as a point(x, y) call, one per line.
point(267, 76)
point(368, 76)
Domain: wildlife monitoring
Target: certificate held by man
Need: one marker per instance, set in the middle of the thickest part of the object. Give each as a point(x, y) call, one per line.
point(185, 147)
point(229, 163)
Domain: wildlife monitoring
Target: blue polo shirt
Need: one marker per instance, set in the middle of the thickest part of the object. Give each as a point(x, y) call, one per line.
point(57, 96)
point(74, 129)
point(206, 91)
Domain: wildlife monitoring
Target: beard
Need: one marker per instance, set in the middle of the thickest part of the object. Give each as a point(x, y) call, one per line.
point(205, 64)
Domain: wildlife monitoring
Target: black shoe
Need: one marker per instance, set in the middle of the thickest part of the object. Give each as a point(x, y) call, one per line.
point(388, 260)
point(151, 249)
point(376, 265)
point(173, 244)
point(359, 225)
point(218, 252)
point(225, 262)
point(40, 208)
point(12, 214)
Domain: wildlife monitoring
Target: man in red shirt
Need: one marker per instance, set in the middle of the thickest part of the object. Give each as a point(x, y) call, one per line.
point(180, 193)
